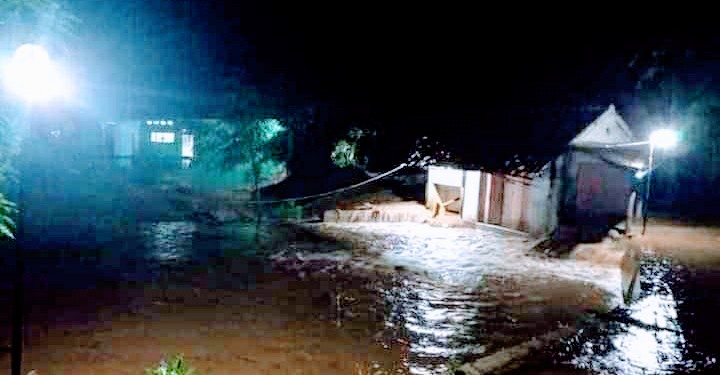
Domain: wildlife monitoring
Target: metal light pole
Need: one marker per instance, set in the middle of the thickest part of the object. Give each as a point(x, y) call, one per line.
point(663, 138)
point(647, 186)
point(34, 78)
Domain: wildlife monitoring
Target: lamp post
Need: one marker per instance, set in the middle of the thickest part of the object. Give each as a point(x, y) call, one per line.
point(32, 77)
point(663, 138)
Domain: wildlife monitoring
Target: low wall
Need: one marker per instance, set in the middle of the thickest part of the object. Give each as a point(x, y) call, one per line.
point(390, 212)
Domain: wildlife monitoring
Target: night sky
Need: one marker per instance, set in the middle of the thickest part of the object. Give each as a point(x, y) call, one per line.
point(449, 71)
point(394, 60)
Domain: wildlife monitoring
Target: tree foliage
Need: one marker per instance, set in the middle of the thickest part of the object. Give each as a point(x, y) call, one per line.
point(7, 224)
point(347, 151)
point(256, 144)
point(51, 22)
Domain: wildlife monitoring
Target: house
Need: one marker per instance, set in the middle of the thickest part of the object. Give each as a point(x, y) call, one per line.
point(161, 141)
point(165, 146)
point(576, 195)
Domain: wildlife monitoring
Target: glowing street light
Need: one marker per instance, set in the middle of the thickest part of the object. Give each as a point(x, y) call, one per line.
point(663, 138)
point(32, 76)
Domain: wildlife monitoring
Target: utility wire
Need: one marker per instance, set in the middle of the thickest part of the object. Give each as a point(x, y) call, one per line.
point(332, 192)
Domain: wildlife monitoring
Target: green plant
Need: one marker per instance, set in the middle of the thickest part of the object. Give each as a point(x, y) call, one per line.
point(453, 366)
point(291, 210)
point(346, 152)
point(7, 224)
point(176, 365)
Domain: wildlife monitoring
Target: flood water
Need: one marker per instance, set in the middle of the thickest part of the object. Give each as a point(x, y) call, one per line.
point(474, 291)
point(353, 298)
point(669, 326)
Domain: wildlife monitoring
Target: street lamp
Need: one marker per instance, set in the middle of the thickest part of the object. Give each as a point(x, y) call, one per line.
point(33, 77)
point(663, 138)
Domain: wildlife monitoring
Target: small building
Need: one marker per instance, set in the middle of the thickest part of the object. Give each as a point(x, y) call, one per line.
point(575, 196)
point(161, 141)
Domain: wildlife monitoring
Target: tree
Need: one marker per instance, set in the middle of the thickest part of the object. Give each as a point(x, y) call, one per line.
point(7, 224)
point(253, 143)
point(348, 152)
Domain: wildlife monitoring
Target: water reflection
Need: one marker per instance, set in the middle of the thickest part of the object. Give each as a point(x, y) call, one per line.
point(652, 340)
point(439, 321)
point(472, 291)
point(169, 241)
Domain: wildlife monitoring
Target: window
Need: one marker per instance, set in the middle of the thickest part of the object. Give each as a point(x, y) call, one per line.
point(162, 137)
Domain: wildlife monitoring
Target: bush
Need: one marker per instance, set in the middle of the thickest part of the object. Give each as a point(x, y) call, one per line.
point(175, 366)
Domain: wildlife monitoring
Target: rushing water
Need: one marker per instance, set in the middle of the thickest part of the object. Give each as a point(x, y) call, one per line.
point(475, 290)
point(452, 294)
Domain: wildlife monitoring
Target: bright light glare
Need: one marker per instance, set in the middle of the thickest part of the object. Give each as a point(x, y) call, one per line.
point(664, 138)
point(637, 165)
point(33, 77)
point(640, 174)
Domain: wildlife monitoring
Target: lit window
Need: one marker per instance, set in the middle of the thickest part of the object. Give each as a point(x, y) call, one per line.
point(162, 137)
point(148, 122)
point(156, 122)
point(170, 122)
point(163, 122)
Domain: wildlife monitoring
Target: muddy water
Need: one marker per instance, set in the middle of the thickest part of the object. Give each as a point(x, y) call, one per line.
point(471, 292)
point(210, 293)
point(365, 298)
point(668, 327)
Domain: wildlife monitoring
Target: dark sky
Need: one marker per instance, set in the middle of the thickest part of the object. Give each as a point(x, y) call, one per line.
point(440, 56)
point(464, 63)
point(412, 62)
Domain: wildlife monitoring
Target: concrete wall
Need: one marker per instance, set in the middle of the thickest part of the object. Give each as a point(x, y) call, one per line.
point(125, 138)
point(513, 202)
point(445, 176)
point(471, 196)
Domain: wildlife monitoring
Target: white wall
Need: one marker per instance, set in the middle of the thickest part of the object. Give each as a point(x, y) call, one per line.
point(471, 196)
point(445, 176)
point(125, 135)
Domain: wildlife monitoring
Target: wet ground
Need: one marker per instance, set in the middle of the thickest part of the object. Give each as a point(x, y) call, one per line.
point(670, 322)
point(356, 299)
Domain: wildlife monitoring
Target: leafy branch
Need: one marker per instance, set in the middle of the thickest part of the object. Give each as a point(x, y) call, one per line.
point(7, 224)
